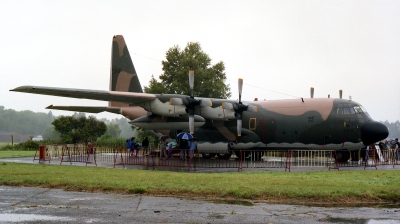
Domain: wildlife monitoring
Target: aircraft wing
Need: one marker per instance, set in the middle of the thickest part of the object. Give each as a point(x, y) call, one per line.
point(115, 96)
point(87, 109)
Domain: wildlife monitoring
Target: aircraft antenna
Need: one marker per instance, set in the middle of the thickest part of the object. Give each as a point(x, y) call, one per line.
point(312, 92)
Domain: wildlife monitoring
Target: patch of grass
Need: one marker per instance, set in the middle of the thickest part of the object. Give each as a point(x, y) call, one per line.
point(322, 186)
point(4, 144)
point(16, 154)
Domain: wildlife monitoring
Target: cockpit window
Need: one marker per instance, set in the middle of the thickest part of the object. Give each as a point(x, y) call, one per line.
point(358, 109)
point(345, 109)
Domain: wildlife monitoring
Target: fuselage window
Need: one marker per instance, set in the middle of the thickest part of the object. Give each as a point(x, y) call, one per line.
point(252, 124)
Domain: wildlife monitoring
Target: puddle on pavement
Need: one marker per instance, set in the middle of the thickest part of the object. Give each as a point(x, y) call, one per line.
point(215, 216)
point(233, 202)
point(356, 205)
point(361, 221)
point(6, 217)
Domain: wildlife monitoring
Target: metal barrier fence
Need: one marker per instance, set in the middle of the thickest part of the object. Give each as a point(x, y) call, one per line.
point(153, 158)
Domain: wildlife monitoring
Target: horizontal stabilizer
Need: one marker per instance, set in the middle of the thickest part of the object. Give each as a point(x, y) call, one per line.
point(115, 96)
point(86, 109)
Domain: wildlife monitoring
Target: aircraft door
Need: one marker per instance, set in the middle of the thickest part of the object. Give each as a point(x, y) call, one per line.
point(268, 129)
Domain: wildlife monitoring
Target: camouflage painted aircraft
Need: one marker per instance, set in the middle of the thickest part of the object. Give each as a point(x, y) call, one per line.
point(227, 125)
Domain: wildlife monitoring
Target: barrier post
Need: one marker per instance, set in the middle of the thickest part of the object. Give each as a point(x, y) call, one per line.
point(395, 156)
point(333, 153)
point(66, 149)
point(42, 154)
point(240, 168)
point(288, 160)
point(120, 151)
point(90, 150)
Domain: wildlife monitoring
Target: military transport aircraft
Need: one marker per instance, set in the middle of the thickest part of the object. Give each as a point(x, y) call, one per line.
point(224, 125)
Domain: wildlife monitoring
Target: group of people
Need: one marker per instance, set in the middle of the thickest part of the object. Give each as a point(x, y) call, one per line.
point(166, 149)
point(391, 144)
point(132, 147)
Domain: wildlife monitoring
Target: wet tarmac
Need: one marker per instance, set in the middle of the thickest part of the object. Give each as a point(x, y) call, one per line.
point(42, 205)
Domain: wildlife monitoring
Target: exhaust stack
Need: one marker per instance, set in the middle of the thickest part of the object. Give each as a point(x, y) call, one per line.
point(312, 92)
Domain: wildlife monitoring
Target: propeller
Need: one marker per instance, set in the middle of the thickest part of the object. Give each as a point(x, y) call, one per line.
point(190, 102)
point(239, 108)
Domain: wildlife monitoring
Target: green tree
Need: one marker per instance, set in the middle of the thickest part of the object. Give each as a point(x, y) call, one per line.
point(24, 122)
point(394, 128)
point(75, 129)
point(114, 130)
point(50, 134)
point(209, 79)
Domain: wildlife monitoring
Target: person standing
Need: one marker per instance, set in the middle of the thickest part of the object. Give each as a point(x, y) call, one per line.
point(129, 145)
point(145, 145)
point(192, 147)
point(163, 149)
point(392, 145)
point(183, 145)
point(170, 150)
point(398, 148)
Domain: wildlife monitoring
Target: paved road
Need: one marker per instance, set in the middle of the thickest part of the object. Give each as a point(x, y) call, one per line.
point(42, 205)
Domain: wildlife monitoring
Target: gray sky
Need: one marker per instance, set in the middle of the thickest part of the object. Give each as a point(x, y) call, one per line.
point(275, 46)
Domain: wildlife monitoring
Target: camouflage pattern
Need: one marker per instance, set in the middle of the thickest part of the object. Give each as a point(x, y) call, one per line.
point(123, 75)
point(310, 123)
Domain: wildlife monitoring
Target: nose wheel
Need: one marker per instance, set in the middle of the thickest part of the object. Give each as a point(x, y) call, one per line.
point(342, 156)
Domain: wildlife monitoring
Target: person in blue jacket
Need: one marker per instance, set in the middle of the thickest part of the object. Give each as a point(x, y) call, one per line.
point(129, 145)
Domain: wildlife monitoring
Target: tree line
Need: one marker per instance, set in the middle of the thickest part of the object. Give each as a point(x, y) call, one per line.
point(38, 123)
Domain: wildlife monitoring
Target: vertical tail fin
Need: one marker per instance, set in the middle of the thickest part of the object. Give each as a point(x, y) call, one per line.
point(123, 75)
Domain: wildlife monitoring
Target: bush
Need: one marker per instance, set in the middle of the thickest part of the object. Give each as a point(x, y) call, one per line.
point(24, 146)
point(111, 142)
point(30, 145)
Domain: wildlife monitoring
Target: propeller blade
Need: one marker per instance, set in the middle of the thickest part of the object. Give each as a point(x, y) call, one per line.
point(240, 86)
point(191, 82)
point(191, 124)
point(176, 101)
point(239, 127)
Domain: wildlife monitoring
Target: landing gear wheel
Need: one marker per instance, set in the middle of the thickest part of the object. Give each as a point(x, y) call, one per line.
point(208, 155)
point(245, 154)
point(224, 156)
point(342, 156)
point(354, 156)
point(256, 156)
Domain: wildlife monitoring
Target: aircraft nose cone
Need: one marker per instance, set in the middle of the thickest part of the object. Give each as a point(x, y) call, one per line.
point(373, 131)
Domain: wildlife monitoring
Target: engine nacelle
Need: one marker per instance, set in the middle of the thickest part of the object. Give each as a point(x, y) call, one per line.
point(164, 109)
point(215, 113)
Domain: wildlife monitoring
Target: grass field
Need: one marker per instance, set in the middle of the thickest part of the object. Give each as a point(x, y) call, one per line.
point(323, 187)
point(16, 154)
point(2, 144)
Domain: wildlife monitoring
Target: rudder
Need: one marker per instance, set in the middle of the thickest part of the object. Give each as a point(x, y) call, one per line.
point(123, 75)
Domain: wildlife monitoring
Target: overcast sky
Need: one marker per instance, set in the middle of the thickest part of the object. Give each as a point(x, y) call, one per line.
point(280, 48)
